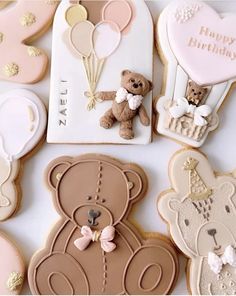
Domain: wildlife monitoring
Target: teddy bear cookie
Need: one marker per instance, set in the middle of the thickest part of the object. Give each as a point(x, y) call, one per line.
point(195, 42)
point(12, 269)
point(94, 249)
point(201, 212)
point(127, 103)
point(97, 40)
point(22, 22)
point(22, 125)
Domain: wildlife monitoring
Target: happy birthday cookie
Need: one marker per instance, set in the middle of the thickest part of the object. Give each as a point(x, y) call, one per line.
point(12, 268)
point(198, 47)
point(200, 209)
point(22, 22)
point(97, 40)
point(94, 248)
point(22, 125)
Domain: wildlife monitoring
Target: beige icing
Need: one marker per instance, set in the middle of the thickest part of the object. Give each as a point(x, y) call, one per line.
point(76, 14)
point(202, 222)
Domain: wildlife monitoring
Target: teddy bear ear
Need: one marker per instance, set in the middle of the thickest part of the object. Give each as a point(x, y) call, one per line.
point(55, 170)
point(137, 182)
point(125, 72)
point(150, 85)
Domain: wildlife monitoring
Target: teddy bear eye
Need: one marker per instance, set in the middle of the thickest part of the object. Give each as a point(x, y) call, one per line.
point(132, 80)
point(186, 221)
point(193, 90)
point(227, 209)
point(103, 200)
point(89, 197)
point(200, 93)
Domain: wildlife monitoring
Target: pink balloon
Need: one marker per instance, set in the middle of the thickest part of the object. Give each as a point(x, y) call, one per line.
point(106, 38)
point(119, 12)
point(81, 38)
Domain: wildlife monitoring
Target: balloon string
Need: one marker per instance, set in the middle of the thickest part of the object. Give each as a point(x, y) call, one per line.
point(93, 68)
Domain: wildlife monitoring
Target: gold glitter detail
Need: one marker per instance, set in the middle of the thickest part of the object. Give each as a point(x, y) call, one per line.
point(1, 37)
point(11, 69)
point(33, 51)
point(15, 281)
point(28, 19)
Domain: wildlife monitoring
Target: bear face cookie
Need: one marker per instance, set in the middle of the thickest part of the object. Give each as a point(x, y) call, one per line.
point(94, 65)
point(195, 42)
point(94, 248)
point(201, 212)
point(22, 125)
point(12, 269)
point(20, 23)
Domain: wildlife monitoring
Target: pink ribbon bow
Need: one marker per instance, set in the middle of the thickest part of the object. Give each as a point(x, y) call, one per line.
point(105, 237)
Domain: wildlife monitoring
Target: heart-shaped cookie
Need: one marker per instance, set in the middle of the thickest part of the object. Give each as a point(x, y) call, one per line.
point(203, 41)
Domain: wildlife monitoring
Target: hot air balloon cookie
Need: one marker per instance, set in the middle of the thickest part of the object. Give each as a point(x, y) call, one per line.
point(198, 47)
point(97, 40)
point(22, 125)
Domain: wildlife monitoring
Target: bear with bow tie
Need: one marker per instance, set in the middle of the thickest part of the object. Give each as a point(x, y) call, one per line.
point(127, 103)
point(94, 249)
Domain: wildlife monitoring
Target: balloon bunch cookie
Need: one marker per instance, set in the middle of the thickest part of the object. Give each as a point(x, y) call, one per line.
point(97, 40)
point(95, 248)
point(198, 47)
point(21, 23)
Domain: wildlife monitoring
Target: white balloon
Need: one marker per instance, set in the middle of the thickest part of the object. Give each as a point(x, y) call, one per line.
point(106, 38)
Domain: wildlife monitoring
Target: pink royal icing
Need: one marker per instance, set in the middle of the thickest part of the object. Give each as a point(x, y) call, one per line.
point(203, 42)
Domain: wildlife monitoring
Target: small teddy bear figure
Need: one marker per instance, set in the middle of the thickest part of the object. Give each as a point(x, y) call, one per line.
point(195, 93)
point(127, 103)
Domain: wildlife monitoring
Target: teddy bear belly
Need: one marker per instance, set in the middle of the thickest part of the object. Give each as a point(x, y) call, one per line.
point(122, 112)
point(104, 271)
point(217, 284)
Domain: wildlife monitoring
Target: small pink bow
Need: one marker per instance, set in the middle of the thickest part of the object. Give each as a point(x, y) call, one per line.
point(105, 237)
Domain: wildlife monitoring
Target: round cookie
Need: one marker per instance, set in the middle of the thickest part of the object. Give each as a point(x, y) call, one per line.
point(200, 210)
point(12, 269)
point(21, 23)
point(195, 42)
point(22, 125)
point(94, 248)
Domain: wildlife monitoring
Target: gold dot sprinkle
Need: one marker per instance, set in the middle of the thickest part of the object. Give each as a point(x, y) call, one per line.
point(28, 19)
point(11, 69)
point(15, 281)
point(1, 37)
point(33, 51)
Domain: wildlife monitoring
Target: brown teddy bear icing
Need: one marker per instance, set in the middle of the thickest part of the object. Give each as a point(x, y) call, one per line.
point(127, 103)
point(195, 93)
point(94, 248)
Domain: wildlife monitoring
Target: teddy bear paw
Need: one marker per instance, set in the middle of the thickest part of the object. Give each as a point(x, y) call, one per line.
point(127, 134)
point(106, 122)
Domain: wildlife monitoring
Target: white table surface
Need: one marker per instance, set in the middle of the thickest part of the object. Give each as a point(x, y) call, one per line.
point(30, 227)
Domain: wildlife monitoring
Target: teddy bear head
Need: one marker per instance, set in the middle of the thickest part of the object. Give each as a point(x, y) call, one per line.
point(95, 190)
point(135, 83)
point(201, 207)
point(195, 93)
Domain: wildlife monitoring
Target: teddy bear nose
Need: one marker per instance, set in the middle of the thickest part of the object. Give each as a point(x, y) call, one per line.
point(93, 215)
point(211, 232)
point(135, 85)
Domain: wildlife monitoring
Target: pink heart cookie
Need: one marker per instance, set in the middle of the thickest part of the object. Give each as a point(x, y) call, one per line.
point(203, 42)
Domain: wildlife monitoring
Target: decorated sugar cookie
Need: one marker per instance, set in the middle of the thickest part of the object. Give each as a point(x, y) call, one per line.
point(94, 249)
point(12, 268)
point(201, 212)
point(20, 23)
point(198, 46)
point(22, 125)
point(97, 40)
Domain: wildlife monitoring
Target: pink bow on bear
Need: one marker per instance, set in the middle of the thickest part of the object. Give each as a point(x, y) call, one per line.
point(105, 237)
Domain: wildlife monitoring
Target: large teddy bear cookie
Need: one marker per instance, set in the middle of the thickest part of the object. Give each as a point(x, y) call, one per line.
point(201, 212)
point(94, 249)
